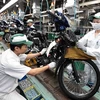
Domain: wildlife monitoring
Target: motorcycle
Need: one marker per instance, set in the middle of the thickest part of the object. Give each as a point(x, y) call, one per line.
point(39, 40)
point(15, 26)
point(71, 63)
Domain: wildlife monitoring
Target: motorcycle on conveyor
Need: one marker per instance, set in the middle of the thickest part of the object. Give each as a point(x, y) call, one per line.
point(71, 63)
point(39, 39)
point(15, 26)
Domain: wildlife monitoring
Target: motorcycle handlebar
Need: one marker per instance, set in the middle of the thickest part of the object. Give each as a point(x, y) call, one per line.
point(59, 18)
point(53, 15)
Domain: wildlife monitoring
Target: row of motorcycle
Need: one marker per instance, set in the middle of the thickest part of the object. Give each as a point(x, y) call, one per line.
point(70, 70)
point(11, 27)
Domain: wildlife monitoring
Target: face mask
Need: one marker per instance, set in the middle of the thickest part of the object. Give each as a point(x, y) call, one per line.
point(96, 26)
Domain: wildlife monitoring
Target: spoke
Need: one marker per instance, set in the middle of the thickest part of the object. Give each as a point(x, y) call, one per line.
point(70, 83)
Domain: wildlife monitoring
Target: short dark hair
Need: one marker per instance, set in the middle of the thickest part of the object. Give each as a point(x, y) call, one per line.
point(12, 46)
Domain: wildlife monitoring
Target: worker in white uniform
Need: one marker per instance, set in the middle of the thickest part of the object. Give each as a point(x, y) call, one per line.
point(3, 46)
point(30, 24)
point(90, 42)
point(11, 69)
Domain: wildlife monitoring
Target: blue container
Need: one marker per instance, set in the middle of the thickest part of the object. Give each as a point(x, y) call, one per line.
point(22, 78)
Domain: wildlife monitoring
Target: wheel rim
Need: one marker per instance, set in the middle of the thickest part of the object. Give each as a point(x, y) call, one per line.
point(79, 89)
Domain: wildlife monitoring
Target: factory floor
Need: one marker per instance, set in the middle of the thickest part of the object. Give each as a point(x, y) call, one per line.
point(47, 86)
point(51, 83)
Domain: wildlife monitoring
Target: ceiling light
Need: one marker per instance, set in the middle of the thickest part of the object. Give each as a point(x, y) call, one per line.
point(4, 1)
point(10, 3)
point(17, 5)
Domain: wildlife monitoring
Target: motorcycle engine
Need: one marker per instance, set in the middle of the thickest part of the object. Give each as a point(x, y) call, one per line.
point(42, 60)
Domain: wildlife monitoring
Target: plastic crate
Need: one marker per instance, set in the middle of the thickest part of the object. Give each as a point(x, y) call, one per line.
point(32, 94)
point(29, 90)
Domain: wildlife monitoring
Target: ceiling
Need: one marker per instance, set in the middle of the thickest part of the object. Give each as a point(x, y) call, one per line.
point(89, 4)
point(2, 4)
point(84, 4)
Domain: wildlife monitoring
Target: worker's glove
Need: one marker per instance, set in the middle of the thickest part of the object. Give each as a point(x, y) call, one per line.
point(43, 51)
point(81, 46)
point(52, 65)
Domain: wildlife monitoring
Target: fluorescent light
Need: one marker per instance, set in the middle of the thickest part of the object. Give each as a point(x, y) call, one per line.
point(10, 3)
point(79, 11)
point(4, 1)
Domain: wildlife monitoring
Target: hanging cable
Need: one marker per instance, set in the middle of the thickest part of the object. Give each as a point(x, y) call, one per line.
point(27, 10)
point(41, 4)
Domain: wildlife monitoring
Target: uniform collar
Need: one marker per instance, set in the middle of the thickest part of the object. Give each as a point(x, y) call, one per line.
point(13, 53)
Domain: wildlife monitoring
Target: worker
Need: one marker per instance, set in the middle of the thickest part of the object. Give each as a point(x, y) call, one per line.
point(30, 24)
point(13, 24)
point(90, 42)
point(3, 46)
point(11, 69)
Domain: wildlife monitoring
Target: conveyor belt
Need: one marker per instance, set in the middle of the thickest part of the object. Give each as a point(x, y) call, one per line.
point(34, 90)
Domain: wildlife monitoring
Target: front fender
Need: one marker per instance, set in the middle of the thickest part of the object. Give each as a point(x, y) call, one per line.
point(76, 53)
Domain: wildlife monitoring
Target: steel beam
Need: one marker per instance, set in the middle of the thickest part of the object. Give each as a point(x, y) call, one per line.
point(89, 3)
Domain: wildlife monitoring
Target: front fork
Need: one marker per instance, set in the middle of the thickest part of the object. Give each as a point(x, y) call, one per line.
point(75, 74)
point(60, 63)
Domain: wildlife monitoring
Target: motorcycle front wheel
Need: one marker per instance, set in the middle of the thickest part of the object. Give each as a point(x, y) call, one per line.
point(88, 75)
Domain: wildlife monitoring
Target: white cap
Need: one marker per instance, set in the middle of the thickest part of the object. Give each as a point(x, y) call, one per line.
point(29, 21)
point(97, 15)
point(20, 39)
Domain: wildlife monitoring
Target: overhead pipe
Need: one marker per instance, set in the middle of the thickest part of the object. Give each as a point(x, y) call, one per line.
point(90, 3)
point(41, 4)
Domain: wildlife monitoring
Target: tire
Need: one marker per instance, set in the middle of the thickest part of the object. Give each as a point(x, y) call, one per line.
point(81, 90)
point(7, 37)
